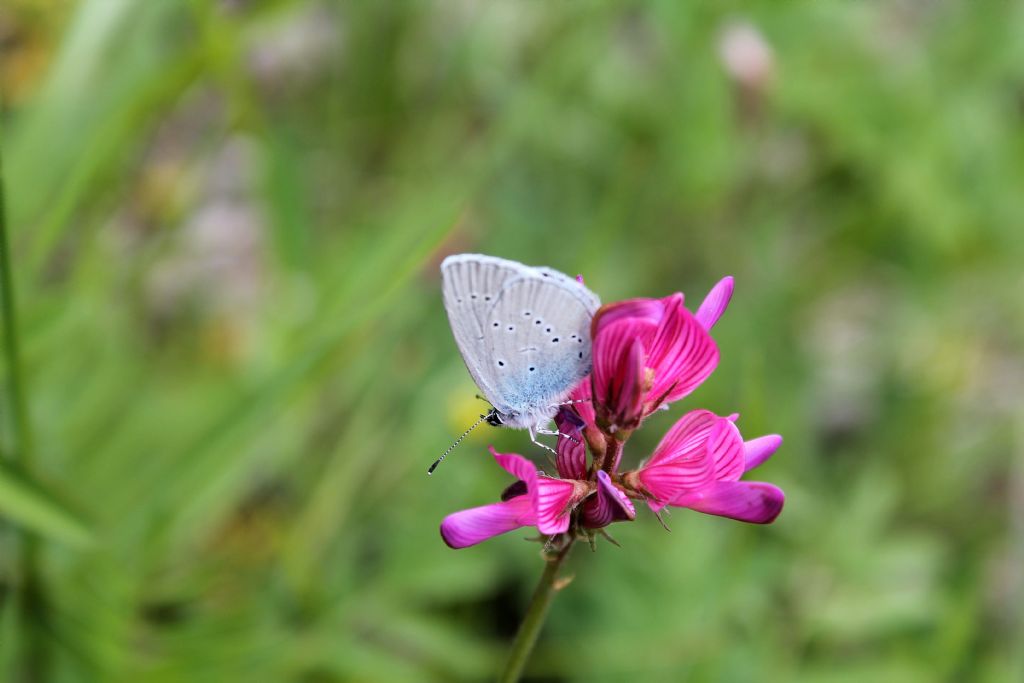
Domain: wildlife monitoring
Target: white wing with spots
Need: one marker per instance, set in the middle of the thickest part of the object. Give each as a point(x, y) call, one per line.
point(470, 285)
point(525, 337)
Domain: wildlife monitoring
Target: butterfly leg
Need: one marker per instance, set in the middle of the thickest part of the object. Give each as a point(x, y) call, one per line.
point(548, 432)
point(533, 431)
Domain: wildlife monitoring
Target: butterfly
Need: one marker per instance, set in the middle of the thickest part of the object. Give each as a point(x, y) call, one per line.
point(523, 332)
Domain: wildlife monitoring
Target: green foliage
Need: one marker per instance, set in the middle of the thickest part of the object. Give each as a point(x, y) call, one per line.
point(227, 218)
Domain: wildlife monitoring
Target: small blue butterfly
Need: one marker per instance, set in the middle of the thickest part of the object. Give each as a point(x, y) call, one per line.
point(524, 334)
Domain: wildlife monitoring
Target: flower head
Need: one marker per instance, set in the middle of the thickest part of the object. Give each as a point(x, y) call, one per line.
point(651, 352)
point(647, 353)
point(698, 465)
point(533, 500)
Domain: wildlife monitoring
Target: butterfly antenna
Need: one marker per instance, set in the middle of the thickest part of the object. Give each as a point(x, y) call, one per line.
point(457, 442)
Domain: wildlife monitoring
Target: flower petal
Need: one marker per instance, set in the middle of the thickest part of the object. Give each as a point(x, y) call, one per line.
point(609, 505)
point(649, 311)
point(715, 303)
point(682, 354)
point(582, 404)
point(617, 379)
point(726, 448)
point(555, 500)
point(469, 527)
point(756, 451)
point(572, 453)
point(747, 501)
point(520, 468)
point(688, 434)
point(700, 448)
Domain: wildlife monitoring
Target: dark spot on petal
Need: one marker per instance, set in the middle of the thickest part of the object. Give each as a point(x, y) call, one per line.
point(501, 363)
point(547, 329)
point(581, 354)
point(514, 491)
point(555, 340)
point(532, 368)
point(511, 327)
point(495, 323)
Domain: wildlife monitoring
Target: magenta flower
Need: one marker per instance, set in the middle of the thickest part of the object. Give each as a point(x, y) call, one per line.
point(533, 500)
point(609, 504)
point(698, 465)
point(647, 353)
point(651, 352)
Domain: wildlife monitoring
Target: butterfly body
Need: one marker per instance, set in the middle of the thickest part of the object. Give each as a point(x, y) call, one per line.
point(523, 332)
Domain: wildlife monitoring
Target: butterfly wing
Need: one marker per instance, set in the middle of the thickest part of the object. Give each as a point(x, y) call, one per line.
point(470, 286)
point(539, 340)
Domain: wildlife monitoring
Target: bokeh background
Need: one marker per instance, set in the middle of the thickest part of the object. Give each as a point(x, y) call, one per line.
point(226, 219)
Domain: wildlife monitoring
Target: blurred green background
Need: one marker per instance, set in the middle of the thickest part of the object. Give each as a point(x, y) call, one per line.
point(226, 219)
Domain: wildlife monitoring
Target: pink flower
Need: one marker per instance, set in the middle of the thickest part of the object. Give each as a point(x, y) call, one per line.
point(533, 500)
point(609, 504)
point(572, 453)
point(650, 352)
point(698, 465)
point(647, 353)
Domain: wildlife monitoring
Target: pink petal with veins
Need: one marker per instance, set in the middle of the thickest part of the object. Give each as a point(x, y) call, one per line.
point(682, 354)
point(469, 527)
point(582, 404)
point(688, 434)
point(555, 500)
point(648, 311)
point(617, 378)
point(700, 448)
point(608, 505)
point(572, 452)
point(726, 448)
point(747, 501)
point(715, 303)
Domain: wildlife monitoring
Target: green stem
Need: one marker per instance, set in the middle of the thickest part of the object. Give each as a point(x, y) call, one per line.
point(532, 623)
point(31, 599)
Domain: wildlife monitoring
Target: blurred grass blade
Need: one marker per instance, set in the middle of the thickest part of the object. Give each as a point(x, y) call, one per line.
point(29, 504)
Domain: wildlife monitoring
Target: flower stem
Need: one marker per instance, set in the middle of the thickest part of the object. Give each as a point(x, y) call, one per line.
point(530, 628)
point(612, 455)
